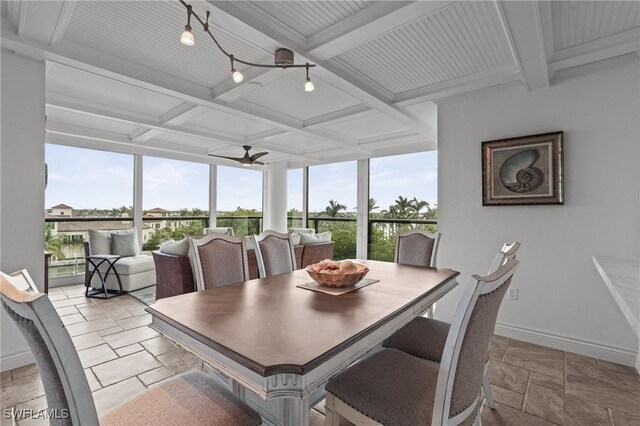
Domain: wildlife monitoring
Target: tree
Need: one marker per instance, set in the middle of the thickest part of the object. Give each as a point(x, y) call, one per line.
point(53, 243)
point(115, 212)
point(373, 204)
point(418, 206)
point(197, 212)
point(334, 208)
point(183, 212)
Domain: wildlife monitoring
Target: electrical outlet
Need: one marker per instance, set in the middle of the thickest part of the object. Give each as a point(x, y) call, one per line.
point(513, 294)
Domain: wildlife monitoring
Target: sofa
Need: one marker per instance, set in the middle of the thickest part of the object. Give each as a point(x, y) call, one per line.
point(174, 275)
point(136, 271)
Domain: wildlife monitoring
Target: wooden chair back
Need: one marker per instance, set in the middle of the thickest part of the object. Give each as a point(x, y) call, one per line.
point(219, 260)
point(417, 247)
point(274, 253)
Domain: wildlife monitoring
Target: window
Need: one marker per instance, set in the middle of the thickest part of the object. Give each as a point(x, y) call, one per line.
point(240, 200)
point(403, 195)
point(94, 184)
point(294, 198)
point(332, 204)
point(173, 188)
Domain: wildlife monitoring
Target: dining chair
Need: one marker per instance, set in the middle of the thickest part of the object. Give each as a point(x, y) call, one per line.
point(392, 387)
point(219, 260)
point(191, 398)
point(274, 253)
point(418, 248)
point(426, 337)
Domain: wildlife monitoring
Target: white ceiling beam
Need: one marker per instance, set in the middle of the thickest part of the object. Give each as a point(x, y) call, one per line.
point(85, 138)
point(64, 18)
point(178, 116)
point(375, 19)
point(522, 24)
point(17, 12)
point(402, 14)
point(335, 117)
point(265, 136)
point(89, 60)
point(331, 72)
point(483, 80)
point(326, 136)
point(598, 50)
point(157, 127)
point(86, 108)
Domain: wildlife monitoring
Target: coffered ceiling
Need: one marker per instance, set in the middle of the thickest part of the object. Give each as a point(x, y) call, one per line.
point(118, 77)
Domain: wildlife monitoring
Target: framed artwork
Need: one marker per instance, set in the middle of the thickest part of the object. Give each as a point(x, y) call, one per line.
point(523, 171)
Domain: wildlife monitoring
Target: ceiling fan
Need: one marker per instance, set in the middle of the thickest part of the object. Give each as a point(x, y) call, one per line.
point(247, 160)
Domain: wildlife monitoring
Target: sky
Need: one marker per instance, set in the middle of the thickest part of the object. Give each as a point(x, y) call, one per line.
point(410, 175)
point(84, 178)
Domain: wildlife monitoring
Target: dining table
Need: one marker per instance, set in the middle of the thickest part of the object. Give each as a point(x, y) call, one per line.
point(275, 345)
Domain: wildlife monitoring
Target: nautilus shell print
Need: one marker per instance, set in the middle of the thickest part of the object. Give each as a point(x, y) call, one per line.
point(519, 175)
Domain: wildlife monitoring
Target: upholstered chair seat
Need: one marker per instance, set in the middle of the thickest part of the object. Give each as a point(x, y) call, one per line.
point(390, 387)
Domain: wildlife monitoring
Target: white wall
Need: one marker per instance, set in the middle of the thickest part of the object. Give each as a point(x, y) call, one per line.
point(21, 185)
point(562, 302)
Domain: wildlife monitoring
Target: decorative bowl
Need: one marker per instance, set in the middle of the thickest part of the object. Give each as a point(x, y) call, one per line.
point(338, 279)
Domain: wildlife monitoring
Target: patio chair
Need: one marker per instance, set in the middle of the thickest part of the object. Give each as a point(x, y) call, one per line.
point(426, 337)
point(219, 260)
point(274, 253)
point(392, 387)
point(191, 398)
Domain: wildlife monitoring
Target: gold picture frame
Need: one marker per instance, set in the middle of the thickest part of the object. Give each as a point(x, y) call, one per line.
point(525, 170)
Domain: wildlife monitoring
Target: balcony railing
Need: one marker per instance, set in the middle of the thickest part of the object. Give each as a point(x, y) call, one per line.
point(69, 259)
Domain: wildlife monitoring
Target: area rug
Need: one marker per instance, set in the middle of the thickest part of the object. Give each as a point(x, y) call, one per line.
point(146, 295)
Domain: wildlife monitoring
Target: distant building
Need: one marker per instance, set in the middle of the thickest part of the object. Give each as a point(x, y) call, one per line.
point(158, 212)
point(62, 210)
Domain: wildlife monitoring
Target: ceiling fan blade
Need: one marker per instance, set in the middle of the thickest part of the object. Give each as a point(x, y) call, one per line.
point(227, 158)
point(259, 163)
point(258, 155)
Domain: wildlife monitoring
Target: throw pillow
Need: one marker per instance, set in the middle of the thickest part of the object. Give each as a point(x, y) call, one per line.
point(296, 238)
point(323, 237)
point(302, 230)
point(123, 244)
point(225, 230)
point(99, 242)
point(177, 248)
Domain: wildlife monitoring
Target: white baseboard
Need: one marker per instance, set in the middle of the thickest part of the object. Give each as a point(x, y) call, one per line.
point(18, 359)
point(563, 343)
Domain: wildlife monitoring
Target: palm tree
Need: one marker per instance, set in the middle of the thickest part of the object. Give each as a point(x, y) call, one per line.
point(334, 208)
point(197, 212)
point(115, 212)
point(401, 208)
point(373, 204)
point(52, 243)
point(417, 207)
point(183, 212)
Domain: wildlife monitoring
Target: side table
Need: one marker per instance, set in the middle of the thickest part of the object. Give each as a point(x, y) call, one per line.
point(96, 261)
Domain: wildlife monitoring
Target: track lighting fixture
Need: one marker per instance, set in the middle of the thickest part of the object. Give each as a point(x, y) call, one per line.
point(308, 85)
point(187, 37)
point(283, 58)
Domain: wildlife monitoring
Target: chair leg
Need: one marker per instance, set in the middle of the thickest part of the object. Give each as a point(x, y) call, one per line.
point(431, 311)
point(331, 417)
point(487, 388)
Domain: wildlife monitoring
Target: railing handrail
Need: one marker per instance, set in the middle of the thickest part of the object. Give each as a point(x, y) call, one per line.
point(371, 220)
point(130, 219)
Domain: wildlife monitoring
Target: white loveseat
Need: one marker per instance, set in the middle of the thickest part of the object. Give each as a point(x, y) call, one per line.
point(136, 272)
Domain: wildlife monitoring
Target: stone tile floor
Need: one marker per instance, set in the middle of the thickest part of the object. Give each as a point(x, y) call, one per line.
point(122, 356)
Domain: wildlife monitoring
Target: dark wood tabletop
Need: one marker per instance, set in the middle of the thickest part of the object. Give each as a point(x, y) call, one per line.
point(270, 326)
